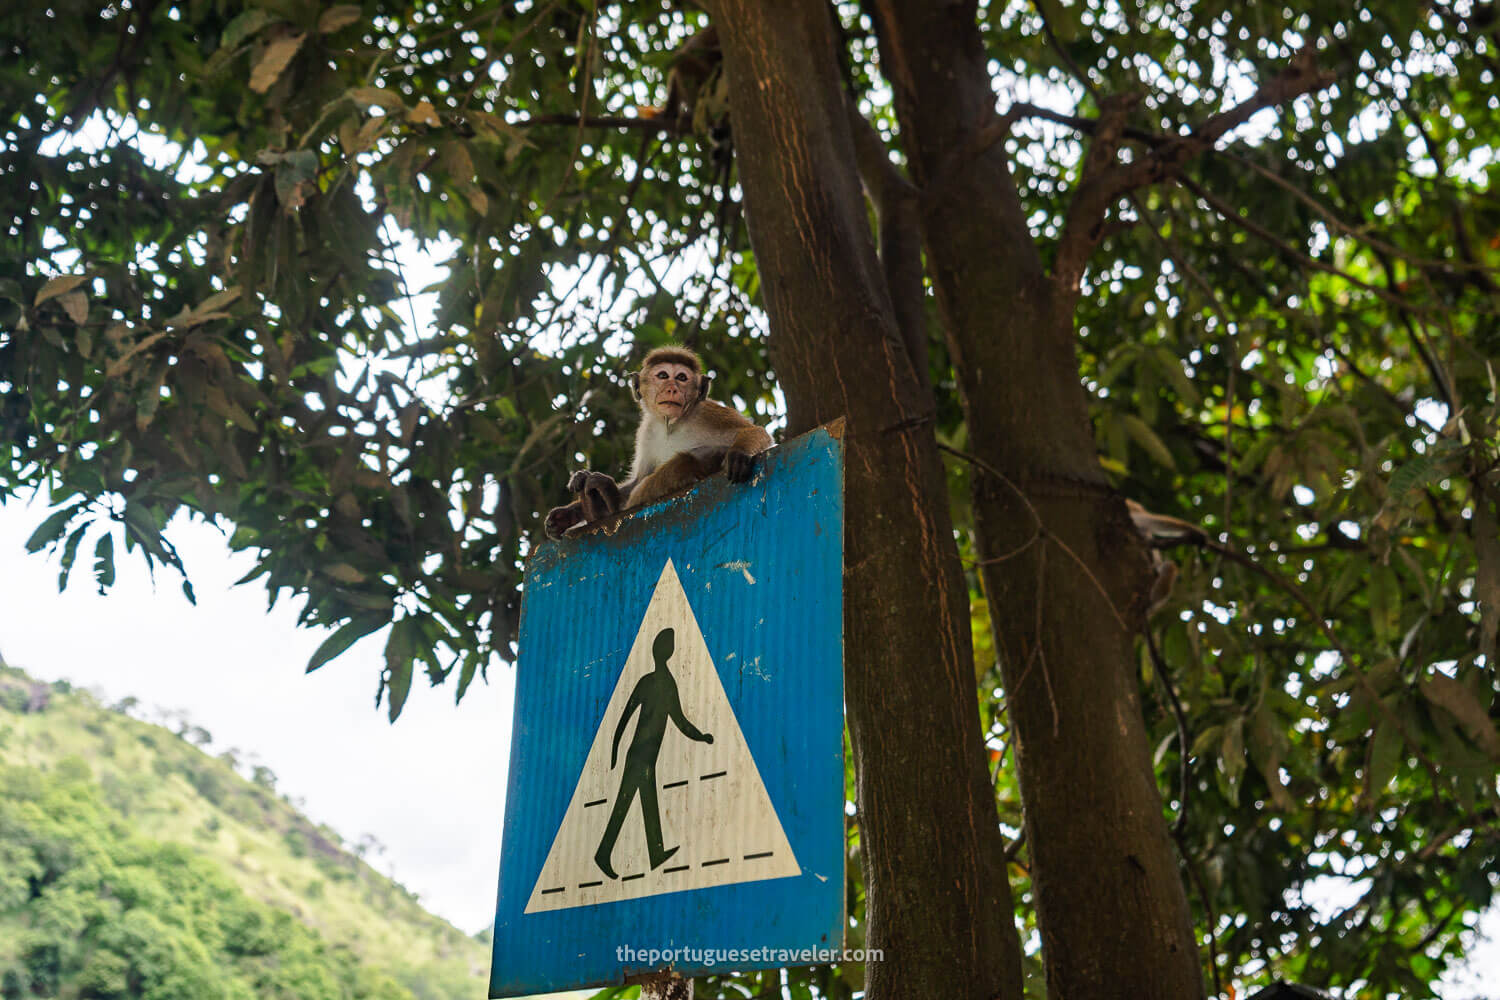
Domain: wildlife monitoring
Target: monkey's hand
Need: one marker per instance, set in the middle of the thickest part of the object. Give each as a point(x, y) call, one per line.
point(578, 481)
point(739, 465)
point(560, 519)
point(598, 494)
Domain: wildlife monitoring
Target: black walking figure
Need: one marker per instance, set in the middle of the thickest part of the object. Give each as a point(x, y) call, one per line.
point(656, 696)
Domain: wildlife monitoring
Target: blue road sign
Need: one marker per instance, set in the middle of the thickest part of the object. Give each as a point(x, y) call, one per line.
point(676, 792)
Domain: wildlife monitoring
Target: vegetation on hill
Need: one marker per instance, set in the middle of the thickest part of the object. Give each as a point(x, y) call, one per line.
point(133, 864)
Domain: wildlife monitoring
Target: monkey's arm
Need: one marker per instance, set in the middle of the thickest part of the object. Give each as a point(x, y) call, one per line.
point(599, 496)
point(739, 460)
point(679, 472)
point(560, 519)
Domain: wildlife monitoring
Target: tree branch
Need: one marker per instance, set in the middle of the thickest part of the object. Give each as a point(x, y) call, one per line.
point(1229, 213)
point(662, 124)
point(1104, 180)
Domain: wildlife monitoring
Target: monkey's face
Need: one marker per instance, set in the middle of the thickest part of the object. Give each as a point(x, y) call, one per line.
point(669, 390)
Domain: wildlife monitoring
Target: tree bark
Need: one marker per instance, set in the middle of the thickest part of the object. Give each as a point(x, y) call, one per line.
point(939, 905)
point(1063, 569)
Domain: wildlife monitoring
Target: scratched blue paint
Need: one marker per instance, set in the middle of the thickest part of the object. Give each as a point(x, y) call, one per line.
point(778, 647)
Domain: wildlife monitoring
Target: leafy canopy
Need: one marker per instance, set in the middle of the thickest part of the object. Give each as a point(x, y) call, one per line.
point(203, 308)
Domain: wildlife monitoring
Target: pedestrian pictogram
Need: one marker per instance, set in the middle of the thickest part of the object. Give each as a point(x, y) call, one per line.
point(670, 797)
point(676, 776)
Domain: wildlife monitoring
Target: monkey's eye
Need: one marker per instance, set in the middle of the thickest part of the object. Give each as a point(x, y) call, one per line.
point(662, 376)
point(682, 376)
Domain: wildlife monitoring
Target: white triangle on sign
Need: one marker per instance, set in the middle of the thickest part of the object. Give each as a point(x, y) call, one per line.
point(717, 824)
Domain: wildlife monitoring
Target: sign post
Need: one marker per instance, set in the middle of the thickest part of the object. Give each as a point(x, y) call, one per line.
point(676, 788)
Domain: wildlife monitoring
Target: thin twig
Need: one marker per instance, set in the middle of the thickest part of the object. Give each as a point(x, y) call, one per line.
point(981, 464)
point(1180, 716)
point(1208, 911)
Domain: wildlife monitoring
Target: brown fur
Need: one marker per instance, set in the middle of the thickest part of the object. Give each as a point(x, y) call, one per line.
point(671, 452)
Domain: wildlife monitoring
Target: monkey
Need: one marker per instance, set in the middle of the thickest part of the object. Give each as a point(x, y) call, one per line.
point(1160, 531)
point(683, 437)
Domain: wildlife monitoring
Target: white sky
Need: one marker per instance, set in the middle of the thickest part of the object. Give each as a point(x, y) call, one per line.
point(430, 788)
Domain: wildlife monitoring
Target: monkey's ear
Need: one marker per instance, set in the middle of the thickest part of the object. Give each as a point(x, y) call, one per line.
point(704, 384)
point(635, 386)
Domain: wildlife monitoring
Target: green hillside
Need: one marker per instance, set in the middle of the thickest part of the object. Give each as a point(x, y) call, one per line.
point(133, 864)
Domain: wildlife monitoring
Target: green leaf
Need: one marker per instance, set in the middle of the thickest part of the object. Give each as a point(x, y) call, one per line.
point(1385, 604)
point(1171, 368)
point(400, 651)
point(1141, 433)
point(1458, 701)
point(141, 525)
point(466, 675)
point(345, 637)
point(70, 553)
point(51, 529)
point(1232, 760)
point(1385, 756)
point(104, 562)
point(1062, 18)
point(1411, 476)
point(243, 26)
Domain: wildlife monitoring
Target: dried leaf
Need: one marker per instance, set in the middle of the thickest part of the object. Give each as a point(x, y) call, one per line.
point(367, 134)
point(423, 114)
point(376, 97)
point(344, 573)
point(59, 286)
point(273, 62)
point(338, 17)
point(122, 364)
point(219, 300)
point(458, 162)
point(76, 305)
point(215, 399)
point(478, 200)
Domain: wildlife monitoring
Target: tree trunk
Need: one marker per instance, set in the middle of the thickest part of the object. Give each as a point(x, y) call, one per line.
point(1064, 571)
point(939, 905)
